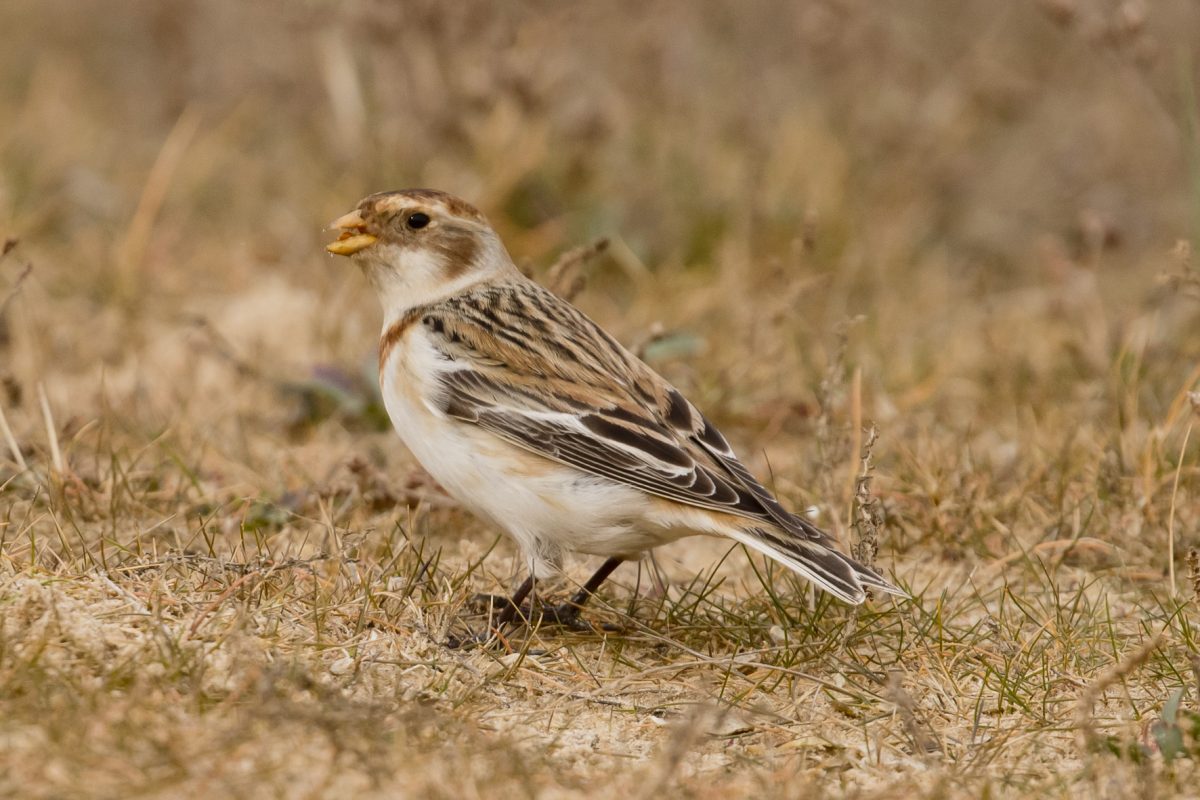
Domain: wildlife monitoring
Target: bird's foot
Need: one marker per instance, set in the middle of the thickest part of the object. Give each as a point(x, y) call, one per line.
point(469, 640)
point(561, 615)
point(490, 603)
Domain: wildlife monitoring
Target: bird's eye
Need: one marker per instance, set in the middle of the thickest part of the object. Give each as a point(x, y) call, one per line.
point(417, 220)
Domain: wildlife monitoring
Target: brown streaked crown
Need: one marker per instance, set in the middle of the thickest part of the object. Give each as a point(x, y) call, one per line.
point(401, 199)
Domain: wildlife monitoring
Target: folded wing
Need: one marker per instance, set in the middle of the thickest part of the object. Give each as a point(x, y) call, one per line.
point(536, 372)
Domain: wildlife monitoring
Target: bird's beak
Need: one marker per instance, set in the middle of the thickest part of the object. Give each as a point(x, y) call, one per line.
point(354, 236)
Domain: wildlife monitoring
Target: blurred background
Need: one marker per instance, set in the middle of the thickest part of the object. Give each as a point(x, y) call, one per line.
point(970, 223)
point(957, 217)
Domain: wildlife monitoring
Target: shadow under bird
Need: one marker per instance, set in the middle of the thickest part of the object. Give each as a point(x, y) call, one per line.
point(538, 421)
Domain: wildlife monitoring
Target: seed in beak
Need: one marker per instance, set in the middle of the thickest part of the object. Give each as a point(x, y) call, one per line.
point(350, 243)
point(353, 237)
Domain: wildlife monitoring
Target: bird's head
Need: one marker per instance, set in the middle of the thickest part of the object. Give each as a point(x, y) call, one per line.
point(418, 245)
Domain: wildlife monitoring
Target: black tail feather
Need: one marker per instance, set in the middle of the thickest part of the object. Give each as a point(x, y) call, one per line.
point(816, 559)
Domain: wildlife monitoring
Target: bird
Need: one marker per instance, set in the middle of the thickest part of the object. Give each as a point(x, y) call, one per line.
point(541, 423)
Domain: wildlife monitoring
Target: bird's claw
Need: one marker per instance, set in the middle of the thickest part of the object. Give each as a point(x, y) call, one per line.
point(505, 614)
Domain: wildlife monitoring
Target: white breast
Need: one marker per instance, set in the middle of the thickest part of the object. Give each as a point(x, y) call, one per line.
point(546, 507)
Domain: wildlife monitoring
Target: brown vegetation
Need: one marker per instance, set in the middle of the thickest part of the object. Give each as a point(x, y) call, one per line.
point(929, 265)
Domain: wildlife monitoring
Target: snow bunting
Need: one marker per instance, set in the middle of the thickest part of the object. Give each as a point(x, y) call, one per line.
point(540, 422)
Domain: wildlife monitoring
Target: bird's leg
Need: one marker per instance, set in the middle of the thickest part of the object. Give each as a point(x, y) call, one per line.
point(493, 603)
point(567, 614)
point(510, 609)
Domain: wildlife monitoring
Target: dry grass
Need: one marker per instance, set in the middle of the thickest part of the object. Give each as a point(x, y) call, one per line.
point(967, 225)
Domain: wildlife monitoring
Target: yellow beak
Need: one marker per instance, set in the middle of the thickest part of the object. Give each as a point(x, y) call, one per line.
point(353, 237)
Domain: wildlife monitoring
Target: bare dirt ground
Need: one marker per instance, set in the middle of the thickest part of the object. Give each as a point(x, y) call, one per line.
point(948, 247)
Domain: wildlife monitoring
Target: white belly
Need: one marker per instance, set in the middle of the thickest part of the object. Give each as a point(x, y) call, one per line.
point(546, 507)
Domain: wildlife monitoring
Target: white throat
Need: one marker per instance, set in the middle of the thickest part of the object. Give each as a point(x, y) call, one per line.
point(405, 278)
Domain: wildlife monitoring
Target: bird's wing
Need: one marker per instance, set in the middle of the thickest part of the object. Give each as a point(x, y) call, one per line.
point(530, 368)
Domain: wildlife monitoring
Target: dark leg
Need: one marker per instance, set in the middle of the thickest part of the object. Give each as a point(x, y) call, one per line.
point(500, 604)
point(567, 614)
point(512, 607)
point(593, 583)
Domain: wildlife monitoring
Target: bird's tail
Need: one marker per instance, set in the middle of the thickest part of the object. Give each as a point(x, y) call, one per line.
point(815, 558)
